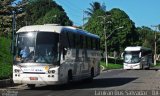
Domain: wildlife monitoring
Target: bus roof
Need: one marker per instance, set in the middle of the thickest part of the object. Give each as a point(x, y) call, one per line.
point(45, 28)
point(54, 28)
point(136, 48)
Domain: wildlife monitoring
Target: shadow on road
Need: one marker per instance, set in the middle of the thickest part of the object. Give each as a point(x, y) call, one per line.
point(96, 83)
point(155, 68)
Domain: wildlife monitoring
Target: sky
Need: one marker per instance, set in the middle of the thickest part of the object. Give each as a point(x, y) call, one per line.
point(141, 12)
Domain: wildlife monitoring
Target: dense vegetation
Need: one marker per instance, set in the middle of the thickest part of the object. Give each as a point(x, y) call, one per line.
point(101, 21)
point(30, 12)
point(5, 58)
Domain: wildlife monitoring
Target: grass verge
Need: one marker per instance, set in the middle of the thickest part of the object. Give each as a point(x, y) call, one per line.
point(111, 65)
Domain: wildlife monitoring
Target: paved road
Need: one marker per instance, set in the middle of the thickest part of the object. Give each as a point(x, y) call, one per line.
point(109, 81)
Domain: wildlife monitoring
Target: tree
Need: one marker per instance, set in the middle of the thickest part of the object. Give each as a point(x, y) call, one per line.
point(94, 6)
point(124, 37)
point(20, 11)
point(54, 16)
point(95, 26)
point(45, 11)
point(120, 38)
point(29, 12)
point(146, 37)
point(6, 9)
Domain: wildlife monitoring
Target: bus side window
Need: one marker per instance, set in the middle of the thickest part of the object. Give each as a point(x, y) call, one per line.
point(64, 43)
point(64, 39)
point(94, 43)
point(88, 42)
point(78, 42)
point(91, 43)
point(81, 39)
point(72, 39)
point(98, 44)
point(84, 42)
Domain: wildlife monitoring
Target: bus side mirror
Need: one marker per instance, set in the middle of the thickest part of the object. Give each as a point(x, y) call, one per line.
point(64, 53)
point(139, 54)
point(122, 55)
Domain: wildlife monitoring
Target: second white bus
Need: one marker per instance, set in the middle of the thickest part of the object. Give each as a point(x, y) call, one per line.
point(137, 57)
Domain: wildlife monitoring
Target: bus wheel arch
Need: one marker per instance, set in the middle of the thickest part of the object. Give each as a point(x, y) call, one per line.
point(70, 76)
point(31, 86)
point(92, 72)
point(90, 78)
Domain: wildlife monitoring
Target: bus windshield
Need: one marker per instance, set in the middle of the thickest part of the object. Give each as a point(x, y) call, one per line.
point(37, 47)
point(131, 57)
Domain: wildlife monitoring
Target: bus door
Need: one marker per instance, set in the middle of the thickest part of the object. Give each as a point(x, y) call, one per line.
point(85, 63)
point(77, 63)
point(144, 61)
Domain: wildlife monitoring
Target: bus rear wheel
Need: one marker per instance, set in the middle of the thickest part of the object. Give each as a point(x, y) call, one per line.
point(69, 76)
point(90, 79)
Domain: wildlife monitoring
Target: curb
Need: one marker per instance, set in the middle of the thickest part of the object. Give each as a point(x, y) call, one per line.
point(102, 68)
point(108, 70)
point(6, 83)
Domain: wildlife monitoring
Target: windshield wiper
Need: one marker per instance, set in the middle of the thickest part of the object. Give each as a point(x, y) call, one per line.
point(42, 57)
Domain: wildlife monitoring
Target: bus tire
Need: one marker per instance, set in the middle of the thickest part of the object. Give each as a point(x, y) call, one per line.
point(92, 73)
point(148, 67)
point(142, 67)
point(70, 77)
point(31, 86)
point(90, 79)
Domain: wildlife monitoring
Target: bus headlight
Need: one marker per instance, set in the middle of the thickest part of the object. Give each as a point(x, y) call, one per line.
point(16, 70)
point(51, 71)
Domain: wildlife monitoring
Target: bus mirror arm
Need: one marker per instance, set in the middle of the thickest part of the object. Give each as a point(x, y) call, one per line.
point(122, 55)
point(64, 53)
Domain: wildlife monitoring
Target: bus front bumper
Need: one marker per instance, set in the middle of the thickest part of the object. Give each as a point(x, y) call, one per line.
point(36, 79)
point(131, 66)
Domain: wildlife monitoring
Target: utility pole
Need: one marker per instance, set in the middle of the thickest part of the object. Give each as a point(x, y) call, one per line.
point(155, 43)
point(104, 31)
point(13, 30)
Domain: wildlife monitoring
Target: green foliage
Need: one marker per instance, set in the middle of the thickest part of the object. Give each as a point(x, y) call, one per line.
point(54, 16)
point(6, 17)
point(95, 25)
point(45, 11)
point(127, 36)
point(146, 37)
point(94, 7)
point(5, 58)
point(111, 65)
point(5, 71)
point(120, 37)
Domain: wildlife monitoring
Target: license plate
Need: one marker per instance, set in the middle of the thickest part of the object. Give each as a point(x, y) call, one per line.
point(33, 78)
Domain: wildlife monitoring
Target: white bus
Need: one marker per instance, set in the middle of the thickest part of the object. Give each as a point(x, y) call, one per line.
point(137, 58)
point(56, 55)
